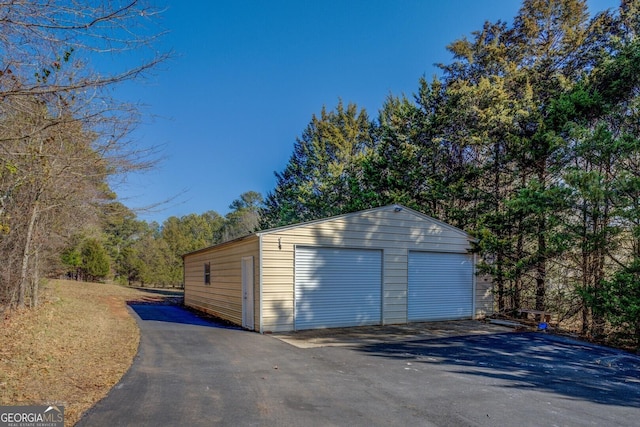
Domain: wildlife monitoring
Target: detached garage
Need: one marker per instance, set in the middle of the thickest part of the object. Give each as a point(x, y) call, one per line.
point(387, 265)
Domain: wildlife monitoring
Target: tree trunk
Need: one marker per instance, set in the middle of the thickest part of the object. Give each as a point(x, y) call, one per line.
point(586, 288)
point(500, 283)
point(586, 271)
point(22, 287)
point(541, 267)
point(600, 228)
point(517, 286)
point(35, 280)
point(585, 317)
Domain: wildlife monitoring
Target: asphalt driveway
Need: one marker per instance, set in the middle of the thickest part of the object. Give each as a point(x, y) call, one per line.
point(191, 371)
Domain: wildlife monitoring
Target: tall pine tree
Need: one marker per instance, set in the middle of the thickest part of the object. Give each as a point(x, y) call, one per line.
point(315, 182)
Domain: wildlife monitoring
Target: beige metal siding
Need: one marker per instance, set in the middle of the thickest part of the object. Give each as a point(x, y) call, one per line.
point(277, 285)
point(223, 297)
point(484, 296)
point(394, 286)
point(393, 232)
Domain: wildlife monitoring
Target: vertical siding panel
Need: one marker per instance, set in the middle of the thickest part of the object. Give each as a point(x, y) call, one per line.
point(395, 286)
point(277, 284)
point(484, 296)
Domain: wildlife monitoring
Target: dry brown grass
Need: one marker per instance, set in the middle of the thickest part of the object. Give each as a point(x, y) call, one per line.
point(71, 350)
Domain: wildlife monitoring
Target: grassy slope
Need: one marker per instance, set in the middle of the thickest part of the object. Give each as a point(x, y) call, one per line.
point(71, 350)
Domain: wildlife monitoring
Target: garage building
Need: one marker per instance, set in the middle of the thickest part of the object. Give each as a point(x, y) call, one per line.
point(387, 265)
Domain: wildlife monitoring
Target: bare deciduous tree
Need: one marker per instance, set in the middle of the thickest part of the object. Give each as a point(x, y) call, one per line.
point(61, 133)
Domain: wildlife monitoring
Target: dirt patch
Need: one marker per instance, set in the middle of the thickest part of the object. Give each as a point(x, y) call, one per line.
point(389, 333)
point(72, 349)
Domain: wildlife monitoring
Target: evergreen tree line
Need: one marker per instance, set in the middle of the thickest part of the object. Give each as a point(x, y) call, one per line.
point(529, 141)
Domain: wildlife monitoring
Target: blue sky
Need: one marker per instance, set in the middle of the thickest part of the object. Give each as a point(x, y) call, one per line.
point(247, 76)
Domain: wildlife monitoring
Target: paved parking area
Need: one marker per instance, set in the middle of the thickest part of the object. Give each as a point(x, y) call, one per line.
point(192, 371)
point(336, 337)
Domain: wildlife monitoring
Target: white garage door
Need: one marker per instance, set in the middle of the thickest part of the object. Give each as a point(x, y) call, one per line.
point(440, 286)
point(337, 287)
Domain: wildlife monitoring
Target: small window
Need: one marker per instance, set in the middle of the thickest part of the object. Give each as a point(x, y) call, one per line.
point(207, 273)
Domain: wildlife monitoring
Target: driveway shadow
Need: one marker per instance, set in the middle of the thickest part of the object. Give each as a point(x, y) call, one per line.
point(528, 361)
point(175, 314)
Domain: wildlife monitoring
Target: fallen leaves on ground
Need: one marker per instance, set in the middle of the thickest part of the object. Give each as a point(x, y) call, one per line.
point(72, 349)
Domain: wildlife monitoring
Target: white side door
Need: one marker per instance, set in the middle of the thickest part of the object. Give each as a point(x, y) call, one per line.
point(247, 292)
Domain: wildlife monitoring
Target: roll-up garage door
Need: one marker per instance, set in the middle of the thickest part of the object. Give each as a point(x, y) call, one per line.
point(440, 286)
point(337, 287)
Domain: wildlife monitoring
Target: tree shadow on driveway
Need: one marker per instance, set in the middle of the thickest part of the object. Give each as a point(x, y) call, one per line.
point(530, 361)
point(175, 314)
